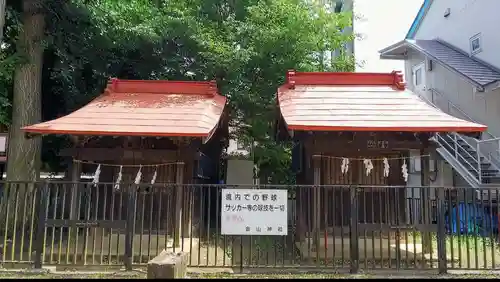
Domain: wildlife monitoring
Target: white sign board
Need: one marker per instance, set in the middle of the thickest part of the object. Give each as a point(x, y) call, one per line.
point(3, 144)
point(254, 212)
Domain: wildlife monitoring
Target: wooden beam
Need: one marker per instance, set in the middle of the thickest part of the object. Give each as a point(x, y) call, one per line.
point(351, 143)
point(111, 154)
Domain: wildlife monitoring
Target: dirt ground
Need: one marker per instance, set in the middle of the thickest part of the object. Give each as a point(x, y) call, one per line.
point(283, 275)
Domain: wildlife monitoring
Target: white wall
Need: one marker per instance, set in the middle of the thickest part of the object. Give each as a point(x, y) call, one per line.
point(239, 172)
point(466, 19)
point(381, 23)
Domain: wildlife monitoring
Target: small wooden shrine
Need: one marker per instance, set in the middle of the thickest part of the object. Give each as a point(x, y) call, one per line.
point(352, 134)
point(147, 132)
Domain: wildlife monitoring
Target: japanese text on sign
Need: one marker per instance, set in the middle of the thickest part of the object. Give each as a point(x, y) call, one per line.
point(254, 212)
point(380, 144)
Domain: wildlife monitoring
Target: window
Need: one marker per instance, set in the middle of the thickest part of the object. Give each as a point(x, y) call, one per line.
point(418, 76)
point(475, 44)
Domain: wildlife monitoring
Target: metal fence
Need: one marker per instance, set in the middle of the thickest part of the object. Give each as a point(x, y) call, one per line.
point(352, 227)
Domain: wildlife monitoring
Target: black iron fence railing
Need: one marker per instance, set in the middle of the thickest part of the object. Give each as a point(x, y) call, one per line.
point(354, 227)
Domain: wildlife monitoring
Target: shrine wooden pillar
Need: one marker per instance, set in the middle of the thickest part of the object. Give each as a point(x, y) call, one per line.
point(301, 214)
point(73, 189)
point(301, 196)
point(425, 198)
point(76, 172)
point(188, 198)
point(316, 214)
point(178, 220)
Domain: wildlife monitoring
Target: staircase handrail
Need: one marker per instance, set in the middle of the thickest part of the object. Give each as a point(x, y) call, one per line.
point(444, 144)
point(491, 158)
point(457, 155)
point(477, 159)
point(488, 140)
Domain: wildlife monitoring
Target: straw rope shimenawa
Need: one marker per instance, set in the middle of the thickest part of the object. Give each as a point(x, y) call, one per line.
point(121, 166)
point(368, 163)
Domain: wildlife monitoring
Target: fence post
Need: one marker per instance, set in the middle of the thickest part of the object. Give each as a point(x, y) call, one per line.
point(130, 228)
point(441, 234)
point(353, 230)
point(43, 195)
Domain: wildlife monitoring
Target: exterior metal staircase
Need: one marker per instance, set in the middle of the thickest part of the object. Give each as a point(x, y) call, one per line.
point(477, 161)
point(476, 168)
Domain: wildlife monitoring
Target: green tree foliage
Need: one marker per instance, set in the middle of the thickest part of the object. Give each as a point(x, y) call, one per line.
point(8, 61)
point(250, 49)
point(246, 45)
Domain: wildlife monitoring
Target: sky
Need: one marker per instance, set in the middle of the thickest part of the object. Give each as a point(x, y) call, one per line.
point(381, 23)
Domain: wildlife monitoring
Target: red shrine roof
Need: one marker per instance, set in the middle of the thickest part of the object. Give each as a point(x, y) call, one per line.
point(144, 108)
point(360, 102)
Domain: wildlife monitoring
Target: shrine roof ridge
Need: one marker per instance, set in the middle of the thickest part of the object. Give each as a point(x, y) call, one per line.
point(394, 79)
point(116, 85)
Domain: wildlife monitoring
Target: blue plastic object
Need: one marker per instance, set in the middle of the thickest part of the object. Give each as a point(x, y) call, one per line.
point(472, 219)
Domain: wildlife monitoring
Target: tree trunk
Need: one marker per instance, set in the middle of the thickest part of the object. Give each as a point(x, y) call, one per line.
point(2, 18)
point(24, 154)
